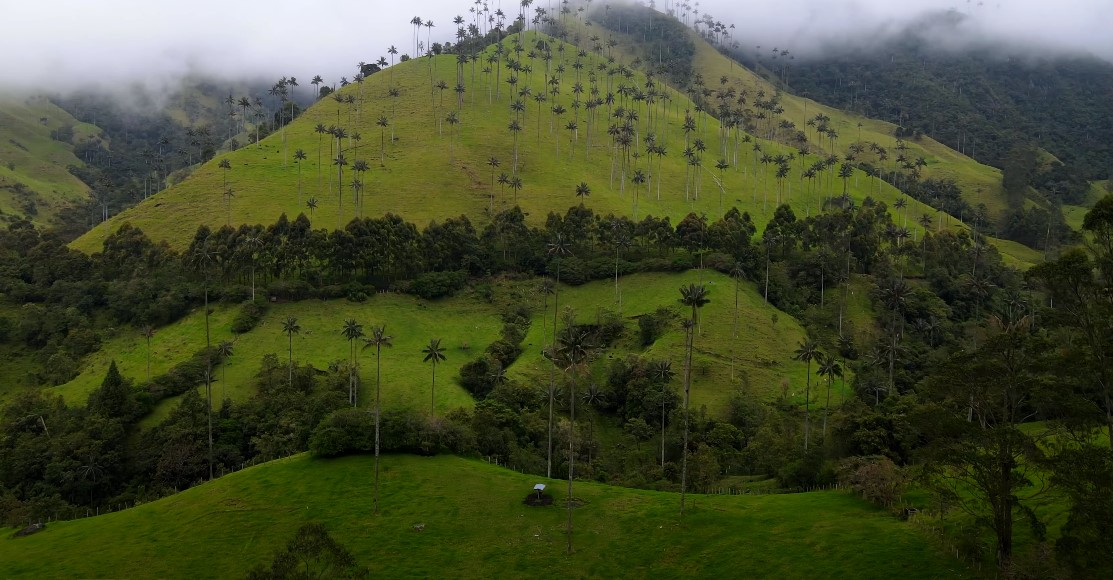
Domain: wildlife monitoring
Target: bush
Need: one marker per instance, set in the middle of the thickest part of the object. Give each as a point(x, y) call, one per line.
point(249, 316)
point(475, 376)
point(876, 478)
point(401, 431)
point(289, 290)
point(572, 270)
point(438, 284)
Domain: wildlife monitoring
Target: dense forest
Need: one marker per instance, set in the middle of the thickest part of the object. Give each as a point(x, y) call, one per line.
point(981, 102)
point(945, 307)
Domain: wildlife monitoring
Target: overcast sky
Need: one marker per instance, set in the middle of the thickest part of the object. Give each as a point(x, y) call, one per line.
point(60, 44)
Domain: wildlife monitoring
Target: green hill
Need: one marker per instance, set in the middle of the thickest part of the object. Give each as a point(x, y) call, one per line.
point(34, 182)
point(432, 169)
point(762, 351)
point(475, 525)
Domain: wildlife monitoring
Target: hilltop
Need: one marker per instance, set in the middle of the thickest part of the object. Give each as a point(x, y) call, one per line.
point(474, 524)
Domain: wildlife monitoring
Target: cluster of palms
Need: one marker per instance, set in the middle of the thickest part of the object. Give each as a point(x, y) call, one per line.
point(829, 368)
point(352, 332)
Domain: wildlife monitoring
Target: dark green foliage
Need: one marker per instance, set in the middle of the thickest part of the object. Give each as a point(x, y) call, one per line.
point(249, 316)
point(312, 553)
point(1057, 103)
point(115, 398)
point(663, 42)
point(438, 284)
point(1086, 474)
point(403, 431)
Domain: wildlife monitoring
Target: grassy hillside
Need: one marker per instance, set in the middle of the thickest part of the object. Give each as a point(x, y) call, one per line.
point(475, 525)
point(431, 171)
point(467, 324)
point(762, 352)
point(34, 182)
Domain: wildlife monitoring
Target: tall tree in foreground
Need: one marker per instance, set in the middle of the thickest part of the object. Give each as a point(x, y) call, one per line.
point(694, 296)
point(808, 351)
point(661, 372)
point(379, 339)
point(573, 352)
point(434, 355)
point(557, 249)
point(203, 258)
point(990, 467)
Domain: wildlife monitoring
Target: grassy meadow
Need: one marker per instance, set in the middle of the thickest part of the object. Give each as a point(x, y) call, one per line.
point(475, 525)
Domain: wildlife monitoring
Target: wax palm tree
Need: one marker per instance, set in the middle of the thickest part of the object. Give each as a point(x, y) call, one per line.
point(639, 180)
point(515, 128)
point(557, 248)
point(148, 333)
point(808, 351)
point(299, 156)
point(453, 119)
point(379, 339)
point(583, 190)
point(573, 352)
point(290, 328)
point(340, 162)
point(434, 354)
point(202, 259)
point(694, 296)
point(351, 331)
point(311, 204)
point(225, 349)
point(493, 162)
point(516, 186)
point(661, 372)
point(829, 368)
point(383, 123)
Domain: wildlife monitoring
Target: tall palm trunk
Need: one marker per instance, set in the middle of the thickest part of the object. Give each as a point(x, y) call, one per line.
point(552, 374)
point(378, 413)
point(687, 397)
point(807, 406)
point(571, 453)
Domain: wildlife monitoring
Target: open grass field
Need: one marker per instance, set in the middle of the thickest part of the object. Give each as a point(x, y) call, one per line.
point(467, 324)
point(424, 168)
point(762, 351)
point(476, 526)
point(29, 158)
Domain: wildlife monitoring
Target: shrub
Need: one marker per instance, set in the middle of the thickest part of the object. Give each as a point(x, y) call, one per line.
point(249, 316)
point(876, 478)
point(401, 431)
point(438, 284)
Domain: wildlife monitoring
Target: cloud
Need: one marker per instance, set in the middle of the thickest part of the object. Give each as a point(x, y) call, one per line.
point(57, 45)
point(811, 27)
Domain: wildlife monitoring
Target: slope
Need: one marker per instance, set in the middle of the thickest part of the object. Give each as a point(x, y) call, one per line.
point(466, 324)
point(34, 181)
point(423, 167)
point(474, 525)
